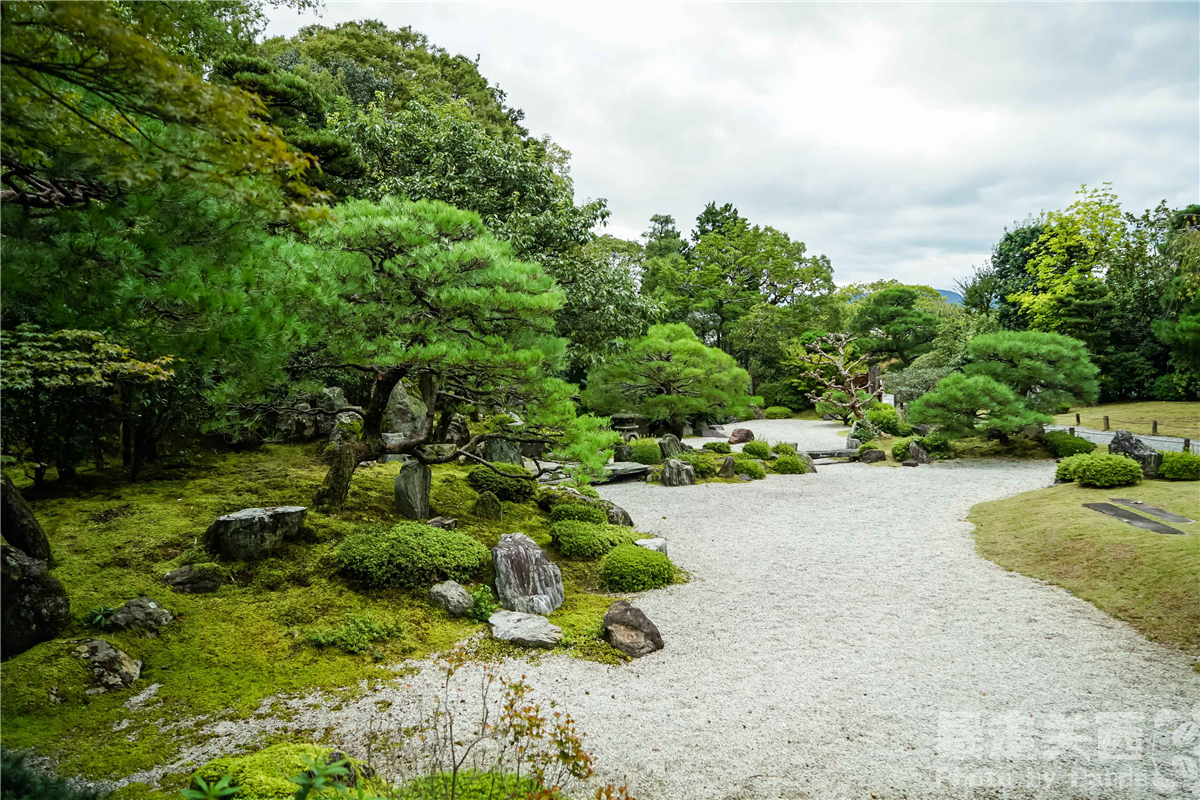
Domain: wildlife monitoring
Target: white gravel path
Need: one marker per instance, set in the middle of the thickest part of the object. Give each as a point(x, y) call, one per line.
point(807, 434)
point(831, 624)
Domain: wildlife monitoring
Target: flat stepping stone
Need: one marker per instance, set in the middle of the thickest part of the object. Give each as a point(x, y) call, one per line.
point(624, 470)
point(838, 453)
point(1136, 520)
point(1152, 511)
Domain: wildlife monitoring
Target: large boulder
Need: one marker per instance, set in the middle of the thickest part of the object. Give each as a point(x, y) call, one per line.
point(616, 515)
point(670, 446)
point(741, 436)
point(810, 466)
point(918, 453)
point(140, 614)
point(20, 527)
point(622, 452)
point(412, 487)
point(347, 427)
point(405, 413)
point(501, 451)
point(727, 469)
point(1126, 444)
point(872, 456)
point(488, 507)
point(527, 630)
point(676, 473)
point(457, 433)
point(299, 424)
point(629, 630)
point(195, 579)
point(526, 580)
point(451, 597)
point(33, 603)
point(253, 533)
point(110, 668)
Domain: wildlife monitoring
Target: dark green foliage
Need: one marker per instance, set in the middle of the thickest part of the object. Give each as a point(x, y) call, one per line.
point(900, 448)
point(513, 489)
point(578, 512)
point(886, 419)
point(717, 447)
point(1180, 467)
point(892, 326)
point(1105, 470)
point(485, 603)
point(1043, 369)
point(704, 464)
point(1063, 444)
point(585, 541)
point(783, 393)
point(745, 465)
point(410, 555)
point(789, 464)
point(1068, 468)
point(778, 412)
point(757, 449)
point(629, 568)
point(19, 781)
point(966, 405)
point(646, 451)
point(936, 444)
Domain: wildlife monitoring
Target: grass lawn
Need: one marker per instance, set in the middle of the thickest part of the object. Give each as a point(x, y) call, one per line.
point(1150, 580)
point(1174, 419)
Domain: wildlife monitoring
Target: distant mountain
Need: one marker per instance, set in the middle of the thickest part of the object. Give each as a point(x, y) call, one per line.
point(953, 298)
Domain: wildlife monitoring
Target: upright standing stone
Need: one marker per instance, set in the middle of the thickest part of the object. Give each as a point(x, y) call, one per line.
point(458, 433)
point(501, 451)
point(253, 533)
point(726, 469)
point(526, 580)
point(488, 507)
point(412, 490)
point(20, 527)
point(622, 452)
point(405, 413)
point(810, 466)
point(1126, 444)
point(670, 446)
point(33, 603)
point(677, 473)
point(918, 453)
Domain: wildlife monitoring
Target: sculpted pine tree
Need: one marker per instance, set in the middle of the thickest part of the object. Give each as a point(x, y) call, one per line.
point(830, 361)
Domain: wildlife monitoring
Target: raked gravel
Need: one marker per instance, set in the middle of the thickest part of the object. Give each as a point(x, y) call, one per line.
point(830, 622)
point(806, 434)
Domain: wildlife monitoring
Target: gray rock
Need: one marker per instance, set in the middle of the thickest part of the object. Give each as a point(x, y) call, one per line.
point(852, 443)
point(488, 507)
point(451, 597)
point(1036, 432)
point(195, 579)
point(620, 470)
point(688, 430)
point(629, 630)
point(501, 451)
point(295, 425)
point(712, 433)
point(329, 400)
point(677, 473)
point(872, 456)
point(809, 464)
point(726, 470)
point(744, 477)
point(21, 528)
point(411, 489)
point(253, 533)
point(405, 413)
point(526, 580)
point(447, 523)
point(1126, 444)
point(616, 515)
point(110, 668)
point(458, 434)
point(658, 545)
point(741, 436)
point(33, 603)
point(527, 630)
point(918, 453)
point(922, 430)
point(908, 463)
point(439, 451)
point(622, 452)
point(347, 427)
point(532, 449)
point(670, 446)
point(140, 614)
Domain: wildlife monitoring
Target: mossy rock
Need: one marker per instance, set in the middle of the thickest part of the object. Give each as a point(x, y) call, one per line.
point(266, 775)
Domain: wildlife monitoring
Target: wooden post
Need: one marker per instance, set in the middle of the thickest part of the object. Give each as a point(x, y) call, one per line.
point(1071, 431)
point(1187, 445)
point(1077, 418)
point(1154, 427)
point(1106, 423)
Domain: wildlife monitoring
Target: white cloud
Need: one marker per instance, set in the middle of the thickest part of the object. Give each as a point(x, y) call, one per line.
point(897, 139)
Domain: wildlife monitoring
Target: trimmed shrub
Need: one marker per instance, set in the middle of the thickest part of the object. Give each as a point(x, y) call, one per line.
point(757, 449)
point(886, 419)
point(783, 449)
point(646, 451)
point(409, 555)
point(936, 444)
point(789, 464)
point(778, 412)
point(1068, 468)
point(1180, 467)
point(578, 512)
point(630, 568)
point(1105, 470)
point(718, 447)
point(585, 541)
point(900, 448)
point(704, 465)
point(513, 489)
point(749, 467)
point(355, 635)
point(1063, 444)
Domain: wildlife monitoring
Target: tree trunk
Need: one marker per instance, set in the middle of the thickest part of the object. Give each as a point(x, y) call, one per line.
point(21, 528)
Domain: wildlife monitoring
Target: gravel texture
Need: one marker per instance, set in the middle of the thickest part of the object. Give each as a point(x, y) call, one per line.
point(831, 623)
point(807, 434)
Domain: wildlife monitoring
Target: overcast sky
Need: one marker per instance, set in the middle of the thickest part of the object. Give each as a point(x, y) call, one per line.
point(898, 139)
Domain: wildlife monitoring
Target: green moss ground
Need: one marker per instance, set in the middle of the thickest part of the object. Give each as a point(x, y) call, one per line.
point(227, 652)
point(1150, 580)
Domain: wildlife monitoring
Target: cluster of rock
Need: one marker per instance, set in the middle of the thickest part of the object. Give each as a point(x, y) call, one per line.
point(1126, 444)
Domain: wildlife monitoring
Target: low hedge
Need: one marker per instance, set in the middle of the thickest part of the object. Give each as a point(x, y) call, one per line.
point(717, 447)
point(513, 489)
point(886, 419)
point(629, 568)
point(1063, 444)
point(750, 468)
point(578, 512)
point(789, 464)
point(586, 541)
point(757, 449)
point(778, 412)
point(1106, 470)
point(411, 554)
point(1068, 468)
point(1180, 467)
point(645, 451)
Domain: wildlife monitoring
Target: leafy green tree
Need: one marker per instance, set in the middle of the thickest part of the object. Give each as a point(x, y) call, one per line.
point(671, 378)
point(1086, 311)
point(1044, 369)
point(663, 238)
point(1180, 328)
point(714, 219)
point(969, 404)
point(1009, 264)
point(892, 326)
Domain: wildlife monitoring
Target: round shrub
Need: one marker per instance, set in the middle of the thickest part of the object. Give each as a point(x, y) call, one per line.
point(514, 489)
point(630, 568)
point(750, 468)
point(1063, 444)
point(409, 555)
point(578, 512)
point(778, 412)
point(1068, 468)
point(789, 464)
point(717, 447)
point(757, 449)
point(936, 444)
point(1180, 467)
point(703, 464)
point(783, 449)
point(900, 448)
point(584, 541)
point(645, 451)
point(1105, 470)
point(886, 419)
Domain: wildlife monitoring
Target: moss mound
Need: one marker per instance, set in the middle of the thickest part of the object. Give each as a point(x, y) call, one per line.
point(757, 449)
point(578, 512)
point(743, 465)
point(471, 785)
point(515, 489)
point(789, 464)
point(645, 451)
point(266, 775)
point(586, 541)
point(778, 412)
point(717, 447)
point(630, 568)
point(411, 554)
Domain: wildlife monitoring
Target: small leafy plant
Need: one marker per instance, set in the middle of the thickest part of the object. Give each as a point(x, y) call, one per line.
point(485, 603)
point(99, 617)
